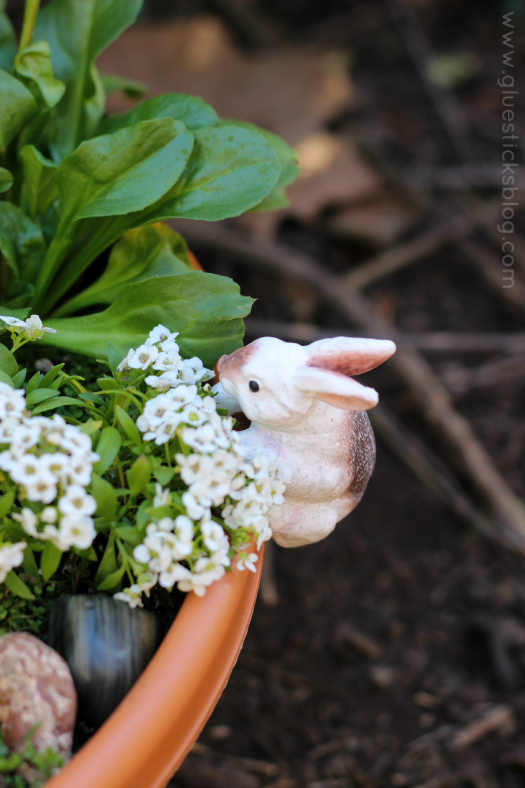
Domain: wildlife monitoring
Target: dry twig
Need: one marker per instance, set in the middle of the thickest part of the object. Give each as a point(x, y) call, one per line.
point(495, 719)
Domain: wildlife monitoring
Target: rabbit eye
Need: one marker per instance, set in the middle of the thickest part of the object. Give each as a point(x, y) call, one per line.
point(254, 386)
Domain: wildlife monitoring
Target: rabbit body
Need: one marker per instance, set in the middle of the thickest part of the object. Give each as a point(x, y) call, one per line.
point(309, 418)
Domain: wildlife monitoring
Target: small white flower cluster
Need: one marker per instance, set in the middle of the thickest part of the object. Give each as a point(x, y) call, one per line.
point(23, 331)
point(11, 555)
point(193, 550)
point(161, 357)
point(51, 462)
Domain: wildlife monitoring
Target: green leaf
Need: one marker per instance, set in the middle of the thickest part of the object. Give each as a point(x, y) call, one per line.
point(230, 171)
point(30, 566)
point(105, 496)
point(6, 502)
point(5, 378)
point(17, 586)
point(112, 580)
point(109, 560)
point(6, 180)
point(140, 254)
point(77, 32)
point(115, 356)
point(205, 309)
point(7, 361)
point(33, 68)
point(19, 378)
point(123, 172)
point(18, 107)
point(164, 475)
point(128, 425)
point(7, 40)
point(132, 89)
point(51, 376)
point(130, 534)
point(21, 314)
point(139, 475)
point(190, 110)
point(40, 395)
point(50, 560)
point(112, 175)
point(287, 162)
point(107, 448)
point(21, 244)
point(39, 187)
point(57, 402)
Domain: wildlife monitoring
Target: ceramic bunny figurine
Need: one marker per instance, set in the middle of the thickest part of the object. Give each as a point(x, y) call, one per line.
point(306, 411)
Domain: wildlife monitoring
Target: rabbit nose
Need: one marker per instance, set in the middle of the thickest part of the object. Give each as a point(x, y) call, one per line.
point(220, 362)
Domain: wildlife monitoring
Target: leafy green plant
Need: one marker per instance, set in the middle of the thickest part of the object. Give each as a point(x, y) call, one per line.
point(140, 482)
point(75, 183)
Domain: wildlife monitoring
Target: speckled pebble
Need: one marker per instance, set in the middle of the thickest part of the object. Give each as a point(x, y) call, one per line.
point(36, 688)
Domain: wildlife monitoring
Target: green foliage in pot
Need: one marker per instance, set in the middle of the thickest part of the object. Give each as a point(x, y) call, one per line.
point(74, 183)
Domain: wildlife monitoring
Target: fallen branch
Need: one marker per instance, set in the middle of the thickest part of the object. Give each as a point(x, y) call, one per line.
point(428, 392)
point(448, 342)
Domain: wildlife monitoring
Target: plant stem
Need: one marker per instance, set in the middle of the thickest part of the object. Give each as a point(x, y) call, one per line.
point(30, 14)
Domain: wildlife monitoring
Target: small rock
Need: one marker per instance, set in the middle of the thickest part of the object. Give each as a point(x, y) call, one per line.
point(36, 689)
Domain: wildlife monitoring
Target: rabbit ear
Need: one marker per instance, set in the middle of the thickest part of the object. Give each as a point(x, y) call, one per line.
point(349, 355)
point(335, 389)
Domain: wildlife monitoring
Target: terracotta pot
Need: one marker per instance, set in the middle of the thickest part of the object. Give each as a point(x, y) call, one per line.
point(148, 736)
point(150, 733)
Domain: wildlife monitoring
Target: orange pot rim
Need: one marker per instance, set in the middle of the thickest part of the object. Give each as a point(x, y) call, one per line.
point(149, 734)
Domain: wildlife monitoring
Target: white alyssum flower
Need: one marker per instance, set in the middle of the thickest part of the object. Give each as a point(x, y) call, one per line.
point(11, 555)
point(12, 404)
point(28, 330)
point(52, 463)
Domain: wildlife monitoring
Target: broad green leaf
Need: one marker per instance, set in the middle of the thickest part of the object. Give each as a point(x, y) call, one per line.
point(18, 107)
point(139, 255)
point(6, 180)
point(287, 162)
point(108, 447)
point(33, 68)
point(21, 244)
point(21, 314)
point(7, 40)
point(111, 175)
point(132, 89)
point(231, 170)
point(139, 475)
point(90, 554)
point(50, 560)
point(77, 32)
point(128, 425)
point(105, 496)
point(190, 110)
point(124, 172)
point(7, 361)
point(39, 188)
point(17, 586)
point(205, 309)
